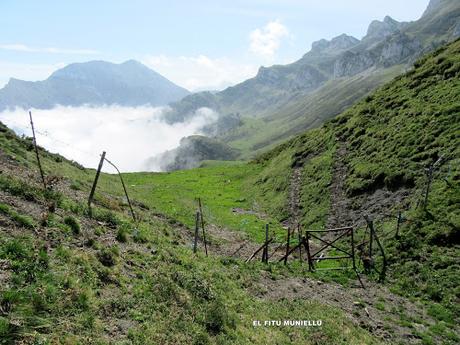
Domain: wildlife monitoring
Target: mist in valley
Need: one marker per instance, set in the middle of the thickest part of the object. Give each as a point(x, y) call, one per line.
point(130, 135)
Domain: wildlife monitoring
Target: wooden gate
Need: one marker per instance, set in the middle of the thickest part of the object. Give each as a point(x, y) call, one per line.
point(318, 254)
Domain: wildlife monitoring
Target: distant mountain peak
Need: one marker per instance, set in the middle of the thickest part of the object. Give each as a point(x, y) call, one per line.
point(432, 6)
point(390, 20)
point(132, 62)
point(379, 30)
point(335, 45)
point(94, 82)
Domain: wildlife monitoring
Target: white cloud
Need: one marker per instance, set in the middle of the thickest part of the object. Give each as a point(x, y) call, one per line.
point(51, 50)
point(200, 72)
point(266, 41)
point(130, 135)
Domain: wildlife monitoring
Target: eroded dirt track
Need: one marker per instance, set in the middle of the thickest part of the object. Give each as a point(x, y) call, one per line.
point(390, 317)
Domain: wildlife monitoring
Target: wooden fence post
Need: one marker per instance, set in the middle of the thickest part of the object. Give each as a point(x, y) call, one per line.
point(93, 188)
point(287, 245)
point(307, 248)
point(202, 227)
point(36, 151)
point(353, 249)
point(370, 225)
point(373, 234)
point(429, 174)
point(265, 251)
point(300, 242)
point(197, 226)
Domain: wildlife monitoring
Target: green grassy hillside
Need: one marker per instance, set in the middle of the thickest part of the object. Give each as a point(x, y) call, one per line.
point(69, 279)
point(384, 144)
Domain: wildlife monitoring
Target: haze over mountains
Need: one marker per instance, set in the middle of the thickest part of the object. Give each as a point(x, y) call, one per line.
point(281, 101)
point(93, 83)
point(259, 113)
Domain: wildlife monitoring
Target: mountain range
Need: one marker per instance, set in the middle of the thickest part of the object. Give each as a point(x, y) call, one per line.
point(283, 100)
point(259, 113)
point(94, 83)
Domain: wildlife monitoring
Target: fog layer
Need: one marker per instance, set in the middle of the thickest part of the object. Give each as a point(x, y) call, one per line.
point(129, 135)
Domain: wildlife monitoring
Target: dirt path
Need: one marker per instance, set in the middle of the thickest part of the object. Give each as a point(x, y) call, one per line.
point(294, 201)
point(339, 214)
point(384, 314)
point(350, 211)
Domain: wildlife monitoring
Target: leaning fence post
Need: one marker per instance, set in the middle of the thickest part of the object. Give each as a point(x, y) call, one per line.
point(373, 234)
point(287, 245)
point(202, 227)
point(370, 225)
point(300, 242)
point(93, 188)
point(36, 151)
point(197, 225)
point(265, 251)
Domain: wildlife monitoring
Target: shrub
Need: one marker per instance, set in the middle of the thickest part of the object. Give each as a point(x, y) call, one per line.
point(76, 185)
point(122, 234)
point(108, 256)
point(107, 217)
point(73, 224)
point(217, 318)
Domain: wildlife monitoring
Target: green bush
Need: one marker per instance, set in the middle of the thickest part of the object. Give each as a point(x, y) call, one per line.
point(108, 256)
point(107, 217)
point(122, 234)
point(73, 224)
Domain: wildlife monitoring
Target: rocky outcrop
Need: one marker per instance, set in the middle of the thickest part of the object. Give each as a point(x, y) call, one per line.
point(456, 31)
point(379, 30)
point(351, 63)
point(432, 6)
point(397, 49)
point(335, 46)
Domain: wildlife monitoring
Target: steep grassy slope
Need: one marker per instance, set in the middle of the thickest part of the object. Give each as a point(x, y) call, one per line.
point(259, 135)
point(69, 279)
point(372, 159)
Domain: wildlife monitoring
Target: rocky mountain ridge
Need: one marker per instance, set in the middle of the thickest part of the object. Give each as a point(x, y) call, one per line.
point(344, 66)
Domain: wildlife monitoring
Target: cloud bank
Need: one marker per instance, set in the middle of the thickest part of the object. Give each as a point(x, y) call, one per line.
point(266, 41)
point(197, 73)
point(130, 135)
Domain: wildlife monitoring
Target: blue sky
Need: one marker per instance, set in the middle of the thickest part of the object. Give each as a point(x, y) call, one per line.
point(197, 44)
